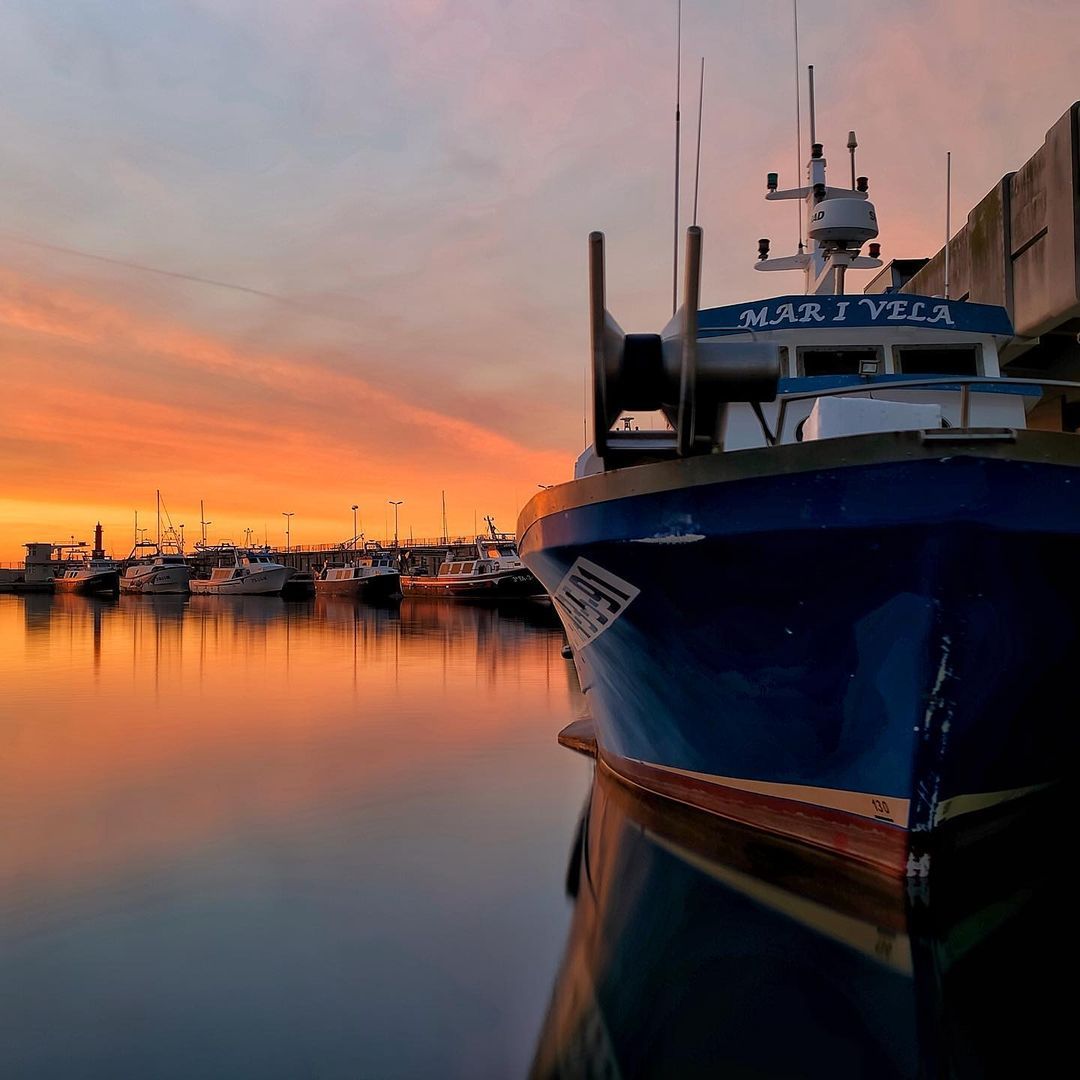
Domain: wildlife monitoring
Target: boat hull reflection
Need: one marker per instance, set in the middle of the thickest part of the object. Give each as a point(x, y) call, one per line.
point(704, 948)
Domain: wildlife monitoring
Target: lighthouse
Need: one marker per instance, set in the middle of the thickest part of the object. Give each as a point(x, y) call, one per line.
point(99, 551)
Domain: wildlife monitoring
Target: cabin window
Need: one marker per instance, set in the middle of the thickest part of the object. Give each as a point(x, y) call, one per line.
point(937, 359)
point(456, 568)
point(466, 567)
point(855, 361)
point(445, 568)
point(492, 552)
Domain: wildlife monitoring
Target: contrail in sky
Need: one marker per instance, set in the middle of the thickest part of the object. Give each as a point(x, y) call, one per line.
point(276, 297)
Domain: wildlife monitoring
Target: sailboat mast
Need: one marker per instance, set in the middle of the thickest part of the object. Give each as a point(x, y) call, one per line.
point(445, 534)
point(159, 519)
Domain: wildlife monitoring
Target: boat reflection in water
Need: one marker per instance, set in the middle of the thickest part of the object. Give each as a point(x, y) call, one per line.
point(700, 947)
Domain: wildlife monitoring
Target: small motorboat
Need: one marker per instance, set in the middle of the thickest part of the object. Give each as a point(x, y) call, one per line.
point(157, 574)
point(95, 577)
point(241, 572)
point(488, 569)
point(371, 576)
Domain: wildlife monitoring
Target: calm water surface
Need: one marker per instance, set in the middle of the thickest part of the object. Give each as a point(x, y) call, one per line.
point(249, 838)
point(244, 837)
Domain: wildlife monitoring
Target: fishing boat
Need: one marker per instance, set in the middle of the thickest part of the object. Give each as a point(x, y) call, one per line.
point(152, 570)
point(156, 574)
point(827, 596)
point(371, 575)
point(96, 575)
point(488, 568)
point(241, 572)
point(159, 567)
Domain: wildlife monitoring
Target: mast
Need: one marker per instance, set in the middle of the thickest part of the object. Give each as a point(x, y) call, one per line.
point(678, 88)
point(840, 221)
point(445, 534)
point(948, 216)
point(159, 520)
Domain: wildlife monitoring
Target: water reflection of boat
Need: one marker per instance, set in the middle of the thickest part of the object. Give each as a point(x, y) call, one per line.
point(700, 947)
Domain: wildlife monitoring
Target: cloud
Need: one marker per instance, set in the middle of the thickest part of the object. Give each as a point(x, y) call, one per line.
point(416, 181)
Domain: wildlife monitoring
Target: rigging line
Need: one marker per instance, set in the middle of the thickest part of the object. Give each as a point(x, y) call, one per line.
point(678, 88)
point(697, 166)
point(798, 124)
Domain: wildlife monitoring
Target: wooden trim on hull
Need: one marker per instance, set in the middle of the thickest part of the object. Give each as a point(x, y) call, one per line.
point(878, 844)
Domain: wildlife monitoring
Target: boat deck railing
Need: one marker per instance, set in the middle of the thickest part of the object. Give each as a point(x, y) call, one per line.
point(962, 383)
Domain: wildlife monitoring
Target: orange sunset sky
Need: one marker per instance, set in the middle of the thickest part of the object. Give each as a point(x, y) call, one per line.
point(289, 256)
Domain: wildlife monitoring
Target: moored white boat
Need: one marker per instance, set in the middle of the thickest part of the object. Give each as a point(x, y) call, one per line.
point(242, 573)
point(490, 568)
point(99, 577)
point(368, 576)
point(157, 574)
point(163, 569)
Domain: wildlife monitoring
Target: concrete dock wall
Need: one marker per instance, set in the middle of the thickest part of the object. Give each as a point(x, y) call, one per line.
point(1020, 248)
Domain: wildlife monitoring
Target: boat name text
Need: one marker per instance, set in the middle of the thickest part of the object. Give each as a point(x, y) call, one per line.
point(793, 314)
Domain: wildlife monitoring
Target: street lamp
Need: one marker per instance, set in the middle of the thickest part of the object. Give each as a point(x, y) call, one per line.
point(288, 515)
point(395, 503)
point(355, 507)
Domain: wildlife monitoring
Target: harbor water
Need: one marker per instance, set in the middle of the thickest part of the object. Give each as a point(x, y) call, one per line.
point(245, 837)
point(249, 837)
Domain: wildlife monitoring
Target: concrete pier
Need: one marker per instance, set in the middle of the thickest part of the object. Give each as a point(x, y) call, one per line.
point(1019, 248)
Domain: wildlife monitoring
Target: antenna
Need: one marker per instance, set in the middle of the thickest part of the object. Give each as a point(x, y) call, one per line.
point(948, 215)
point(813, 110)
point(678, 87)
point(697, 166)
point(798, 122)
point(852, 143)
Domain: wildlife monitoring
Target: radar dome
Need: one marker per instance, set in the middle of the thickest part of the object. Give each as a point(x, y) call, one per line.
point(846, 222)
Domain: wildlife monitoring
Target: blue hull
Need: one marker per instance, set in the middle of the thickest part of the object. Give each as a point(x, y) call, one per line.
point(884, 645)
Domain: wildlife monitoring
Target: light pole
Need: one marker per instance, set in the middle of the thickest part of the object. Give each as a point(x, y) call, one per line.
point(395, 503)
point(181, 538)
point(288, 516)
point(355, 507)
